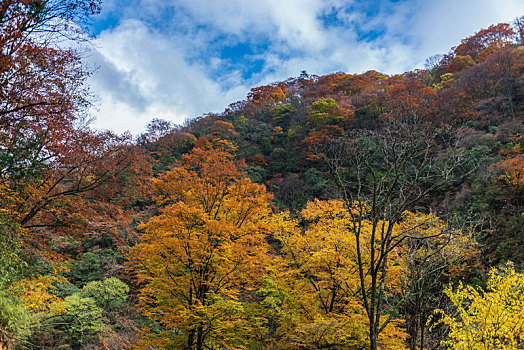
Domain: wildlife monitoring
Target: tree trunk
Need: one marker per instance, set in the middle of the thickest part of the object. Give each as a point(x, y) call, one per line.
point(190, 339)
point(200, 338)
point(373, 337)
point(373, 331)
point(422, 337)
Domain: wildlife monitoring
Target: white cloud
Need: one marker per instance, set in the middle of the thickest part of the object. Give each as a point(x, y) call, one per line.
point(171, 67)
point(143, 76)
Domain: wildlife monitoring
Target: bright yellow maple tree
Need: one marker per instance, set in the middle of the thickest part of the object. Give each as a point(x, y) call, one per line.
point(202, 252)
point(319, 281)
point(487, 319)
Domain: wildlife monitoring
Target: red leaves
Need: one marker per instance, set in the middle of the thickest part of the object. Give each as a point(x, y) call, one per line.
point(486, 41)
point(265, 96)
point(409, 100)
point(57, 167)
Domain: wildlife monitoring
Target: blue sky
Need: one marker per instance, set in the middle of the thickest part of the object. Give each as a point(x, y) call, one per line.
point(177, 59)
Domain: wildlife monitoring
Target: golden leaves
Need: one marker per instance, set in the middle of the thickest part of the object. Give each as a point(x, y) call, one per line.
point(318, 278)
point(204, 249)
point(36, 296)
point(487, 319)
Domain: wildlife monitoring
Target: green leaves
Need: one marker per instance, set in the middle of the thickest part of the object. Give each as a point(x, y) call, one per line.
point(110, 294)
point(13, 314)
point(324, 111)
point(281, 114)
point(84, 318)
point(87, 269)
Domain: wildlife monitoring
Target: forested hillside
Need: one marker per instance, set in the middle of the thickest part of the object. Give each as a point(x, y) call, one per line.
point(343, 211)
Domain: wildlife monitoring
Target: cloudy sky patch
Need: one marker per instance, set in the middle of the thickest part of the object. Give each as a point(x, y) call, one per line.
point(178, 59)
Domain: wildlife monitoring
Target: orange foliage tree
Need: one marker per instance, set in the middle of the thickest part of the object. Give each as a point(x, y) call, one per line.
point(201, 252)
point(264, 96)
point(267, 93)
point(486, 41)
point(513, 164)
point(410, 101)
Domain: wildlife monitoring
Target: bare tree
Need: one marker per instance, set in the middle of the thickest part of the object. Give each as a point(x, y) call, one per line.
point(380, 175)
point(428, 265)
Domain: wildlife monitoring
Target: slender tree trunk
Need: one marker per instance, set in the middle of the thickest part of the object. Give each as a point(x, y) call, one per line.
point(372, 332)
point(374, 321)
point(200, 338)
point(423, 318)
point(190, 339)
point(416, 322)
point(373, 336)
point(421, 336)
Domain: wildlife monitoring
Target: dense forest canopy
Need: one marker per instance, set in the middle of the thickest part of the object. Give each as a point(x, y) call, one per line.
point(343, 211)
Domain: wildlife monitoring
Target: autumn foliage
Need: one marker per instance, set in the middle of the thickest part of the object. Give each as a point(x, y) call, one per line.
point(203, 252)
point(381, 191)
point(490, 318)
point(319, 277)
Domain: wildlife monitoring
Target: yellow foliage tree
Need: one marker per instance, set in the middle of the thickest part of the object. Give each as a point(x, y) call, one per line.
point(202, 252)
point(319, 280)
point(489, 319)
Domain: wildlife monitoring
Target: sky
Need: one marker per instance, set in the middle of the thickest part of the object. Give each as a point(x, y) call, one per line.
point(179, 59)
